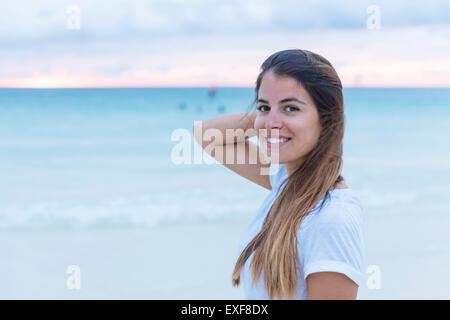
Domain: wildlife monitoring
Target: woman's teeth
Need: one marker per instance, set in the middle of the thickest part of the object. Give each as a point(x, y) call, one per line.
point(272, 140)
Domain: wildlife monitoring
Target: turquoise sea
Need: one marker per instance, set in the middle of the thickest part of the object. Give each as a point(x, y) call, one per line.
point(101, 158)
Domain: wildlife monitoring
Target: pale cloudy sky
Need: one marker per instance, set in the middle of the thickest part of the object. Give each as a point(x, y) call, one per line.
point(207, 42)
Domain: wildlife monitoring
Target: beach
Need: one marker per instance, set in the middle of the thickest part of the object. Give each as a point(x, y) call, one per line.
point(176, 262)
point(196, 262)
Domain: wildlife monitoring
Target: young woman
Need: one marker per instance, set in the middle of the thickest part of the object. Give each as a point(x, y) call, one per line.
point(306, 240)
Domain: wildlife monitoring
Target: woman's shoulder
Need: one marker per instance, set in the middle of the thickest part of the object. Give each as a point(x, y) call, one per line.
point(341, 210)
point(332, 239)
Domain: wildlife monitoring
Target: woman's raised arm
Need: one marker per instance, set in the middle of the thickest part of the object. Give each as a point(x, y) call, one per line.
point(225, 138)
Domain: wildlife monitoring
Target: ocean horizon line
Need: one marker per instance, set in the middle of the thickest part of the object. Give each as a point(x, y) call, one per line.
point(207, 87)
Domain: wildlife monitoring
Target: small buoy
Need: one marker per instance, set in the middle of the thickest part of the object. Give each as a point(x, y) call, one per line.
point(182, 106)
point(199, 109)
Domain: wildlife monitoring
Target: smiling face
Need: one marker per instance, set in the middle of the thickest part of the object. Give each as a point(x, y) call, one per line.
point(285, 109)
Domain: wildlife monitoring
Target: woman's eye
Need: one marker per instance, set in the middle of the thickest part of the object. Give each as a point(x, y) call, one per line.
point(260, 108)
point(293, 108)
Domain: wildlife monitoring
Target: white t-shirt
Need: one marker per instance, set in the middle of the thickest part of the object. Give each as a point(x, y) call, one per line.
point(328, 240)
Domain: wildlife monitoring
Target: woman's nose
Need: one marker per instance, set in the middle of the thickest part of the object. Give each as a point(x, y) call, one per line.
point(273, 120)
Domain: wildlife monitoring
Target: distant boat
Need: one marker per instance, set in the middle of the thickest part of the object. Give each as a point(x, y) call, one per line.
point(212, 91)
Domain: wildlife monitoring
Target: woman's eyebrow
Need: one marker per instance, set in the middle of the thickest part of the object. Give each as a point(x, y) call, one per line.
point(283, 100)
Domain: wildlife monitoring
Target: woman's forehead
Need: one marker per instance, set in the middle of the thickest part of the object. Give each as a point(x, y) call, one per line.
point(275, 87)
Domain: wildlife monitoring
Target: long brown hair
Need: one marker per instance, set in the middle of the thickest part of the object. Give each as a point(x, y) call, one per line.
point(274, 248)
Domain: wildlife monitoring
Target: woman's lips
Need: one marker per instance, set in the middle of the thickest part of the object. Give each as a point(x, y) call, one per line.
point(277, 144)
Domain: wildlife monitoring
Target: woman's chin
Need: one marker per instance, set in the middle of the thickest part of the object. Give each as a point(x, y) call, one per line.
point(277, 160)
